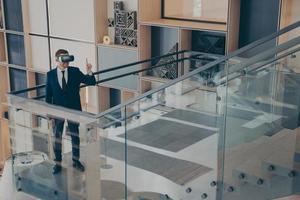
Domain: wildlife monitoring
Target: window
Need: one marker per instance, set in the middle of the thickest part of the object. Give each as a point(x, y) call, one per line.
point(40, 79)
point(1, 17)
point(18, 80)
point(15, 49)
point(13, 15)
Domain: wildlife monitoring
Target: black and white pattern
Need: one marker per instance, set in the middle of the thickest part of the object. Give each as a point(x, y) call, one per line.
point(120, 19)
point(111, 22)
point(125, 24)
point(168, 71)
point(132, 20)
point(118, 5)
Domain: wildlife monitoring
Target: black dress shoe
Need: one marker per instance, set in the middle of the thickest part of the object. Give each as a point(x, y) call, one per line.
point(56, 169)
point(78, 165)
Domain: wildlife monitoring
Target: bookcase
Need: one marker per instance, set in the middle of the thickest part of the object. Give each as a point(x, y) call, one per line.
point(185, 32)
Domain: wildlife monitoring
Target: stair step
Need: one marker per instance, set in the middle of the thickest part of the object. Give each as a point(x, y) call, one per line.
point(251, 172)
point(282, 163)
point(292, 197)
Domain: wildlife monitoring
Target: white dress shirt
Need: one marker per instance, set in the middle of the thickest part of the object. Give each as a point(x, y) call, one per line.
point(60, 76)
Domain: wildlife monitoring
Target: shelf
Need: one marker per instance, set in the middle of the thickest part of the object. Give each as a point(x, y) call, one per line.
point(186, 24)
point(106, 85)
point(154, 79)
point(199, 19)
point(118, 46)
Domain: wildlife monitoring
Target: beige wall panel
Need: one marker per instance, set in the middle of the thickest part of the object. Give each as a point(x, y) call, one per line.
point(100, 19)
point(2, 48)
point(290, 13)
point(233, 26)
point(4, 141)
point(211, 10)
point(37, 16)
point(4, 84)
point(72, 19)
point(104, 101)
point(149, 9)
point(92, 100)
point(39, 53)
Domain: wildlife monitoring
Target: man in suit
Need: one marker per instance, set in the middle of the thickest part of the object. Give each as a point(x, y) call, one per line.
point(62, 89)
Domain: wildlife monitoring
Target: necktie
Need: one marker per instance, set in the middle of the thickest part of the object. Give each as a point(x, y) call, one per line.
point(64, 83)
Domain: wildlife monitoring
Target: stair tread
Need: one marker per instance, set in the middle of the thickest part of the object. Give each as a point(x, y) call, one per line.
point(253, 168)
point(283, 159)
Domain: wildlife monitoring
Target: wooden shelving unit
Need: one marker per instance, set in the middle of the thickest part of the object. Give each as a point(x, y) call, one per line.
point(229, 30)
point(118, 46)
point(4, 88)
point(185, 24)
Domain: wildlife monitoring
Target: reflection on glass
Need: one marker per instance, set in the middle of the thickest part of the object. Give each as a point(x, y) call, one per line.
point(261, 135)
point(18, 80)
point(40, 79)
point(112, 157)
point(202, 10)
point(13, 15)
point(15, 49)
point(1, 17)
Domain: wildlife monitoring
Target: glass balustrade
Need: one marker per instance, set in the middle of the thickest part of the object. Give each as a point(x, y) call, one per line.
point(225, 129)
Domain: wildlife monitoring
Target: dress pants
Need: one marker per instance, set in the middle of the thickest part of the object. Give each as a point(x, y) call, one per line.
point(57, 147)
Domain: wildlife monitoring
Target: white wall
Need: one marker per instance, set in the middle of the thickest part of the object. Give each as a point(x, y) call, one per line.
point(40, 53)
point(73, 19)
point(37, 16)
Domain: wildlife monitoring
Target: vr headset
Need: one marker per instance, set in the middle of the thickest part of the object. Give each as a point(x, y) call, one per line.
point(65, 58)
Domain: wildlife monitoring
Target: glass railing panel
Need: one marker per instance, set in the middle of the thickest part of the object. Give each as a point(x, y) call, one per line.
point(172, 135)
point(113, 155)
point(172, 142)
point(271, 43)
point(53, 152)
point(261, 131)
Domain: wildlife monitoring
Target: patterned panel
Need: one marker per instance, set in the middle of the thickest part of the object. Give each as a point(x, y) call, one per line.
point(168, 71)
point(111, 22)
point(125, 24)
point(120, 19)
point(132, 20)
point(208, 43)
point(118, 5)
point(207, 76)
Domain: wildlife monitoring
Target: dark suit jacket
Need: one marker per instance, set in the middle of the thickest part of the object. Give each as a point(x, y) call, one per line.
point(71, 97)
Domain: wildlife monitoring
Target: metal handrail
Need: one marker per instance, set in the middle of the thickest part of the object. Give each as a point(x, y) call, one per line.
point(111, 69)
point(239, 51)
point(211, 64)
point(203, 68)
point(125, 74)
